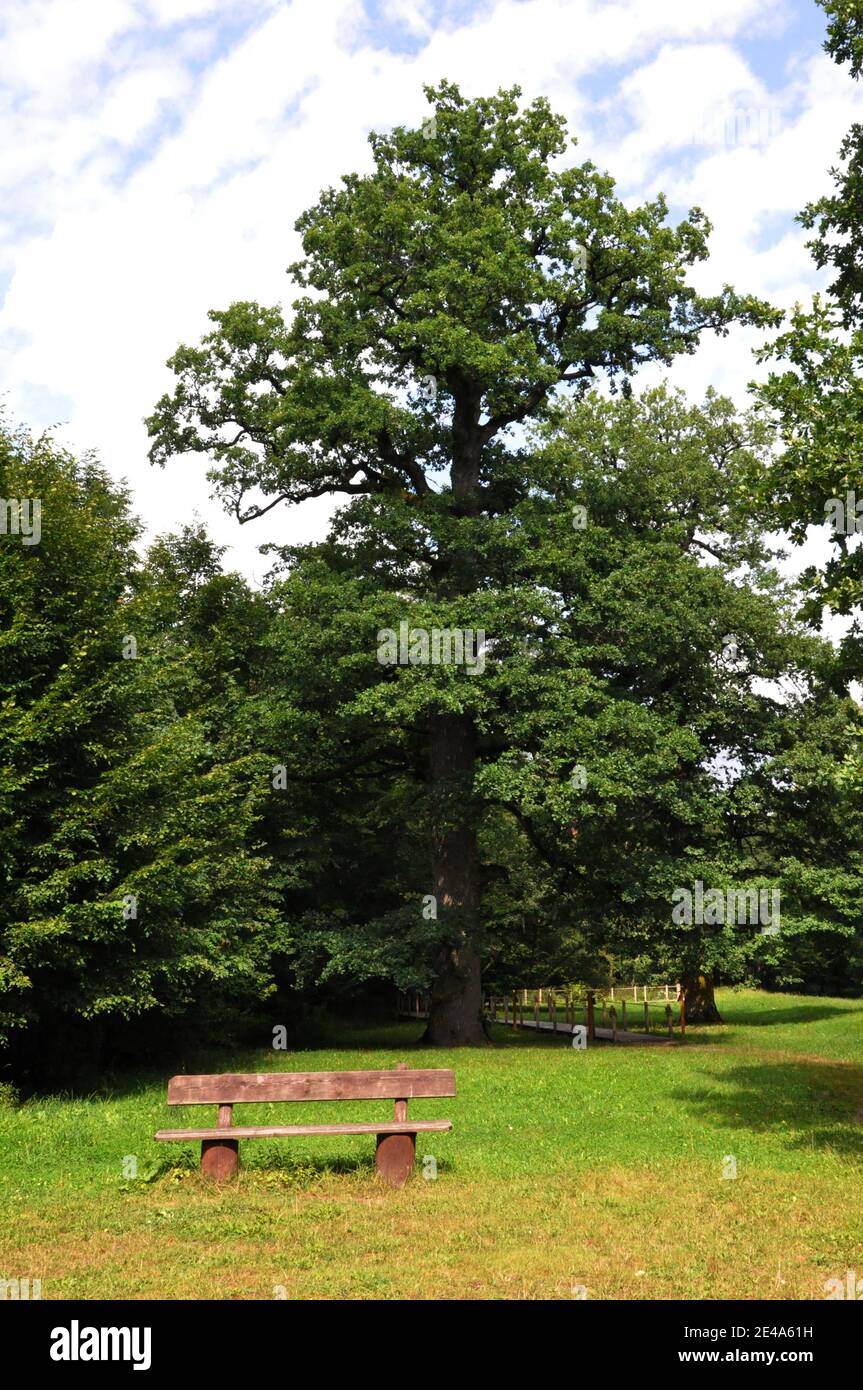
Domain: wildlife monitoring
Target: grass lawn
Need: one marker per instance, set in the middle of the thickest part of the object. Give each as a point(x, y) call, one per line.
point(565, 1169)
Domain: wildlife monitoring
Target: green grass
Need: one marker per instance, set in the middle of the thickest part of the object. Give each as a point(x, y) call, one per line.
point(601, 1169)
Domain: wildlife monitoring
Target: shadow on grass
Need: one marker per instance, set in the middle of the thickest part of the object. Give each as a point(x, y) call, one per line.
point(275, 1165)
point(369, 1037)
point(195, 1060)
point(736, 1023)
point(813, 1104)
point(306, 1168)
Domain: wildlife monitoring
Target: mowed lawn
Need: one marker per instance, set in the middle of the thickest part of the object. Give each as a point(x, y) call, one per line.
point(566, 1171)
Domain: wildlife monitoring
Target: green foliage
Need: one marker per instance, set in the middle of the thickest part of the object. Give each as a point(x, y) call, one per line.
point(693, 760)
point(815, 398)
point(131, 885)
point(211, 796)
point(836, 217)
point(817, 403)
point(455, 294)
point(466, 259)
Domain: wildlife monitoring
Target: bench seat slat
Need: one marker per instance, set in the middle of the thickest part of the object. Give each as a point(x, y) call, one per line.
point(242, 1089)
point(286, 1131)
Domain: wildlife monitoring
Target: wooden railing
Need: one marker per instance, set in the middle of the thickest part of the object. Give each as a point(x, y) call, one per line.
point(561, 1009)
point(412, 1003)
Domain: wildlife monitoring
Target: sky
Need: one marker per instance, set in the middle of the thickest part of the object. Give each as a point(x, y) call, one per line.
point(155, 155)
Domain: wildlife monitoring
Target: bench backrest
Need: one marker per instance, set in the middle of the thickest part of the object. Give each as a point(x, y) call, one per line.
point(234, 1089)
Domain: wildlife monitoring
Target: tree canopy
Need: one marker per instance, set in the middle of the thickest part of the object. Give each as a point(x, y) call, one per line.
point(542, 676)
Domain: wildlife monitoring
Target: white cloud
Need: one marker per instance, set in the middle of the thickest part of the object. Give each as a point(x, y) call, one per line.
point(45, 43)
point(414, 16)
point(150, 173)
point(174, 11)
point(136, 102)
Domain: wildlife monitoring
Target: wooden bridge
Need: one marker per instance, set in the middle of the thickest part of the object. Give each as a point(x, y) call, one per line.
point(606, 1018)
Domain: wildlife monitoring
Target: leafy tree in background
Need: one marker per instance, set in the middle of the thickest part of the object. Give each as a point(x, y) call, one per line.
point(679, 654)
point(837, 217)
point(342, 821)
point(802, 820)
point(692, 761)
point(131, 889)
point(817, 395)
point(59, 603)
point(453, 292)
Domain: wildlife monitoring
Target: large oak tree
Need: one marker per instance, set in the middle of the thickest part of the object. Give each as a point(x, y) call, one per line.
point(451, 294)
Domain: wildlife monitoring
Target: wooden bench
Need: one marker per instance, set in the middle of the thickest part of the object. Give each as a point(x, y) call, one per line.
point(396, 1140)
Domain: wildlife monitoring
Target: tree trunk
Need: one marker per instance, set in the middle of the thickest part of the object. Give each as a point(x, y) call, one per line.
point(455, 1012)
point(697, 988)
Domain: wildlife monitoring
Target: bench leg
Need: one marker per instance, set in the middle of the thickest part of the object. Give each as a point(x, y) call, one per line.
point(395, 1157)
point(220, 1159)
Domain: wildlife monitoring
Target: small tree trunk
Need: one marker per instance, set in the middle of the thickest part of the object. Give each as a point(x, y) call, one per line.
point(455, 1012)
point(697, 988)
